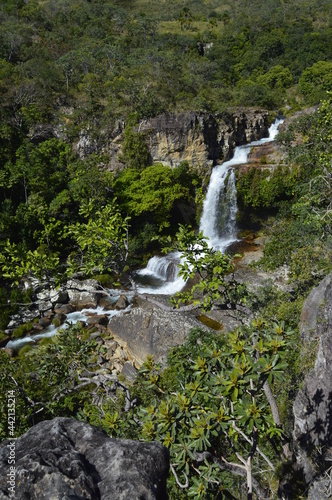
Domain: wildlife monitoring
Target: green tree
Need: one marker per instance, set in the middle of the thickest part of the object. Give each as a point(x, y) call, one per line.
point(152, 193)
point(101, 242)
point(135, 151)
point(214, 409)
point(316, 81)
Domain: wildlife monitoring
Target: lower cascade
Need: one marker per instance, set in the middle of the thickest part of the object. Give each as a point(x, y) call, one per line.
point(160, 276)
point(218, 222)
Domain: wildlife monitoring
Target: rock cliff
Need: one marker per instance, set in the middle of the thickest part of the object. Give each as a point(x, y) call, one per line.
point(201, 138)
point(65, 459)
point(313, 404)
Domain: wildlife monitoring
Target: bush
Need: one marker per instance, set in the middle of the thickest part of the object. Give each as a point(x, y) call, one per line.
point(22, 330)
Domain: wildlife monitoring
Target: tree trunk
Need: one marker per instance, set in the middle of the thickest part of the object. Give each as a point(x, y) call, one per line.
point(276, 418)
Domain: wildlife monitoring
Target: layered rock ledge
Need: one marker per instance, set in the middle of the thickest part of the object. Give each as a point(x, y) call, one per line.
point(202, 138)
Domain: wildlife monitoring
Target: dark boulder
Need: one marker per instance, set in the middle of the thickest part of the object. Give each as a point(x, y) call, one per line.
point(66, 459)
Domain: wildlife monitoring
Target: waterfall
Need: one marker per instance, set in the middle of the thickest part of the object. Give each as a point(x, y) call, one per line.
point(160, 276)
point(218, 222)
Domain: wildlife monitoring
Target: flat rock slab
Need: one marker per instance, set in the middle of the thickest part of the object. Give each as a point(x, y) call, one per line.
point(149, 330)
point(64, 459)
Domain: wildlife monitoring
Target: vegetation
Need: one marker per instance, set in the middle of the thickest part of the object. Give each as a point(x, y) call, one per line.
point(212, 272)
point(213, 407)
point(79, 72)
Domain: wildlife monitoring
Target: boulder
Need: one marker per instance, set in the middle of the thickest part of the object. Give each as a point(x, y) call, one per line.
point(107, 303)
point(129, 371)
point(97, 319)
point(63, 458)
point(150, 330)
point(53, 295)
point(312, 311)
point(59, 319)
point(83, 294)
point(63, 308)
point(321, 489)
point(45, 321)
point(122, 303)
point(313, 404)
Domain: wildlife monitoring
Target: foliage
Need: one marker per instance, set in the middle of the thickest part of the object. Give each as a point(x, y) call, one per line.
point(45, 379)
point(215, 284)
point(262, 189)
point(316, 81)
point(102, 241)
point(153, 195)
point(135, 151)
point(301, 234)
point(209, 406)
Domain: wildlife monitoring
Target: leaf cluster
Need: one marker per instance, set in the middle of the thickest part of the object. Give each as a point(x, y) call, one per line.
point(209, 270)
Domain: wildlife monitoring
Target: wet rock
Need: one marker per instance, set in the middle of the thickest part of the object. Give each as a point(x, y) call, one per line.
point(106, 303)
point(121, 303)
point(38, 328)
point(97, 319)
point(63, 308)
point(62, 458)
point(48, 314)
point(59, 319)
point(45, 321)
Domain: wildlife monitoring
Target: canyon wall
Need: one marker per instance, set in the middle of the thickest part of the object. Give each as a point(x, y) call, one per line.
point(201, 138)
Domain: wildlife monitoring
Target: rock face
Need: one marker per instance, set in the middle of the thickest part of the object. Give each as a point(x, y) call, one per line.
point(201, 138)
point(313, 404)
point(150, 330)
point(64, 459)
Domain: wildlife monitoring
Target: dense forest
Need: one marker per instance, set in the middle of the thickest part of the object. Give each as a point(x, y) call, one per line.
point(71, 69)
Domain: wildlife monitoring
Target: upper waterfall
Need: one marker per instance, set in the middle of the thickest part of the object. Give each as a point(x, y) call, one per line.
point(218, 221)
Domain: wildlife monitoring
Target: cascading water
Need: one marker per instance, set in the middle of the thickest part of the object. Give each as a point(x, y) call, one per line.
point(72, 319)
point(160, 276)
point(218, 222)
